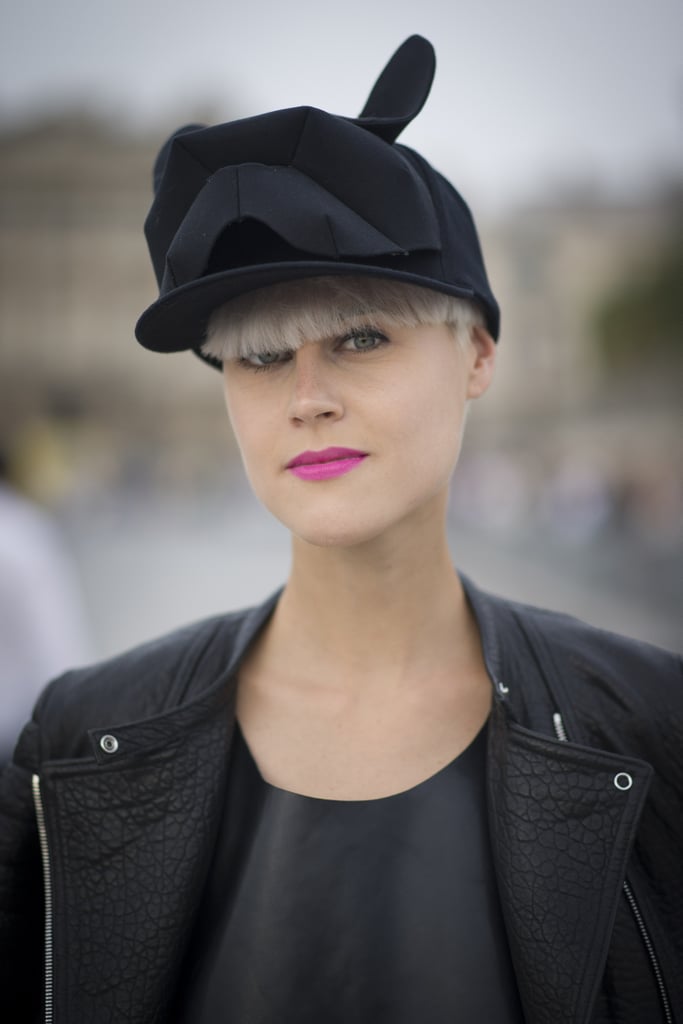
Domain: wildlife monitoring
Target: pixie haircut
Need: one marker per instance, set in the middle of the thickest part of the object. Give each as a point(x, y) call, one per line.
point(282, 317)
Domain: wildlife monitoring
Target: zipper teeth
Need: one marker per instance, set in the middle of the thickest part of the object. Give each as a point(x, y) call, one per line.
point(558, 726)
point(561, 734)
point(647, 941)
point(45, 853)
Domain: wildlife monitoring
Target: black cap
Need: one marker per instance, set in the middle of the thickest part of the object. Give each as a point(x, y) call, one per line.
point(302, 193)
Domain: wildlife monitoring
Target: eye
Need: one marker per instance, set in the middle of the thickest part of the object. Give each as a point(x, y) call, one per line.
point(363, 339)
point(264, 360)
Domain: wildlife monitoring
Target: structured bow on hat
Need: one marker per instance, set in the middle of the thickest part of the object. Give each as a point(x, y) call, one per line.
point(302, 193)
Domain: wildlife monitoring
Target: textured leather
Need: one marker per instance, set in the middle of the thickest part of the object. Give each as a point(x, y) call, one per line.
point(131, 832)
point(150, 824)
point(563, 838)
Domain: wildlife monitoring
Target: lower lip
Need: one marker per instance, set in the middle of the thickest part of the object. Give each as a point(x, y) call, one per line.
point(326, 470)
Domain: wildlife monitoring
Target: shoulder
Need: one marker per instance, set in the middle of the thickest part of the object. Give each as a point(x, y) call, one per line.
point(596, 651)
point(589, 650)
point(616, 685)
point(139, 683)
point(620, 693)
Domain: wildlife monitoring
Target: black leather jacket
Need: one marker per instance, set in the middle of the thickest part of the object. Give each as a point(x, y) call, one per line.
point(120, 779)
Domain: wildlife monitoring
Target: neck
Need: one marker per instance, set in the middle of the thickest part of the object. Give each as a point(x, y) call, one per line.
point(391, 610)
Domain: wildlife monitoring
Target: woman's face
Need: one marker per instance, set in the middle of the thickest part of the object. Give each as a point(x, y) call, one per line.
point(391, 398)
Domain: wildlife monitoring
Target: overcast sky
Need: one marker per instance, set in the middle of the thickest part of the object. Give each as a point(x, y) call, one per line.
point(528, 93)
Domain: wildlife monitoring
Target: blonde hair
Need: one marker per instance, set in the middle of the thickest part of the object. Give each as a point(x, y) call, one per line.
point(280, 318)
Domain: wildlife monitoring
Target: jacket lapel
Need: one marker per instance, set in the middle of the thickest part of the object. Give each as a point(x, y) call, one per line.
point(135, 835)
point(561, 832)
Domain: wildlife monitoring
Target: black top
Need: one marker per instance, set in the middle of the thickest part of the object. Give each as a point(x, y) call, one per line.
point(363, 911)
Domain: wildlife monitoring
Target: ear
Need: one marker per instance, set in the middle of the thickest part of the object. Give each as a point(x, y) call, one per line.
point(482, 362)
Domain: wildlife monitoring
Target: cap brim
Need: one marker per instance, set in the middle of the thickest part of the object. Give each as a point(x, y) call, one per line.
point(179, 321)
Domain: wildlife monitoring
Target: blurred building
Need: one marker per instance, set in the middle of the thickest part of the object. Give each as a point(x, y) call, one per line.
point(74, 276)
point(552, 266)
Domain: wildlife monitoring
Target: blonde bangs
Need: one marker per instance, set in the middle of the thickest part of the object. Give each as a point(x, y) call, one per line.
point(282, 317)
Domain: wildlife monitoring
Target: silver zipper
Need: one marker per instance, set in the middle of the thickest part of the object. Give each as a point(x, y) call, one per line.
point(647, 941)
point(560, 732)
point(47, 881)
point(558, 726)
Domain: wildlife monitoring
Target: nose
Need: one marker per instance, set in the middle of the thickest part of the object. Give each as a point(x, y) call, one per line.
point(314, 395)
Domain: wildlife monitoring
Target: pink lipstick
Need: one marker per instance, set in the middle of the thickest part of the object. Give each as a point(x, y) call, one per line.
point(324, 465)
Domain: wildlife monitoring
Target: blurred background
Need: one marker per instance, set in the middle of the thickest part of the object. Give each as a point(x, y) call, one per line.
point(563, 127)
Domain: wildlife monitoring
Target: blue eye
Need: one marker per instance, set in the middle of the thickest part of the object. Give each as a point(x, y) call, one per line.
point(363, 339)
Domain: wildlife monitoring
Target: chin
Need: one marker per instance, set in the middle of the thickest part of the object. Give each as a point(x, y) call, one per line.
point(329, 531)
point(328, 536)
point(354, 532)
point(360, 520)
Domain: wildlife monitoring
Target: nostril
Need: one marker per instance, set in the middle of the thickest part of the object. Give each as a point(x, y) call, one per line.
point(310, 409)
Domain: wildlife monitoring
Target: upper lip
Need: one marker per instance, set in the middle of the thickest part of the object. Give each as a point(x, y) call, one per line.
point(326, 455)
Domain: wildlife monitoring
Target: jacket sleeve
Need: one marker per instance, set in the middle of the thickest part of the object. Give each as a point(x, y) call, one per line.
point(21, 890)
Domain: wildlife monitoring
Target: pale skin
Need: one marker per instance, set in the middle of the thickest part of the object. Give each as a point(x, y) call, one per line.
point(369, 677)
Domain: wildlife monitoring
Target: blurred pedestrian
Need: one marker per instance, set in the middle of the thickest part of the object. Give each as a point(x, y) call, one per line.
point(42, 626)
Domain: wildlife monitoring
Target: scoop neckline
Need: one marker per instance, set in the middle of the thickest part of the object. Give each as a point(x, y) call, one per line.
point(465, 754)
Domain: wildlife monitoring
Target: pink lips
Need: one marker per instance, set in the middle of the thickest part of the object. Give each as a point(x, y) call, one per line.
point(324, 465)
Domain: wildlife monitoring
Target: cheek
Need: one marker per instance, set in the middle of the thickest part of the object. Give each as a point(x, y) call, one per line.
point(433, 428)
point(246, 427)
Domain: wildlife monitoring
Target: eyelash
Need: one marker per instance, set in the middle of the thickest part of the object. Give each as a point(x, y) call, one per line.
point(358, 332)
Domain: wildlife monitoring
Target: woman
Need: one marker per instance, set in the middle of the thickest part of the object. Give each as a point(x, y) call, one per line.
point(382, 795)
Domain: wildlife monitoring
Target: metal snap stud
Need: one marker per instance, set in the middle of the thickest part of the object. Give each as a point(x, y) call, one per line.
point(623, 781)
point(109, 744)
